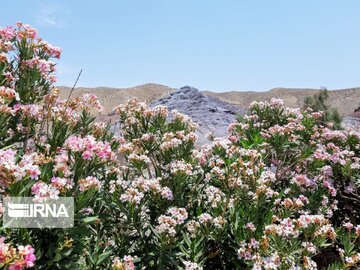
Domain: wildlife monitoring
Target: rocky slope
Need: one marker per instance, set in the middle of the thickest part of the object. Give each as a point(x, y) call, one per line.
point(211, 114)
point(353, 120)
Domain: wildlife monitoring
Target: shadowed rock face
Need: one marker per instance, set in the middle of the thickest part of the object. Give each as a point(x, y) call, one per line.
point(211, 114)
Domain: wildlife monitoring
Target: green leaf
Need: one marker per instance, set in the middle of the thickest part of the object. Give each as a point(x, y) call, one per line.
point(89, 219)
point(103, 257)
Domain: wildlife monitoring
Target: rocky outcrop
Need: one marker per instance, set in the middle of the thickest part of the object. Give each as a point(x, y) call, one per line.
point(211, 114)
point(352, 120)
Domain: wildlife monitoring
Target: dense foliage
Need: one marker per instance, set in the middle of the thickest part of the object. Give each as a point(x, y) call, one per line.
point(279, 192)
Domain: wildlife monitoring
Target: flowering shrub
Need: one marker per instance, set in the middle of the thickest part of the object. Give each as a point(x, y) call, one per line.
point(279, 192)
point(48, 148)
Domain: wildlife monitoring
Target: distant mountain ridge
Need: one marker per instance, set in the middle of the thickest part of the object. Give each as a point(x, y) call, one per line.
point(346, 100)
point(111, 97)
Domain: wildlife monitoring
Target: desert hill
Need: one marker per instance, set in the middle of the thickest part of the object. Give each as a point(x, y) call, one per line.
point(111, 97)
point(346, 100)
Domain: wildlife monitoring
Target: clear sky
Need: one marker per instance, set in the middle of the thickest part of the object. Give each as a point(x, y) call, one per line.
point(218, 45)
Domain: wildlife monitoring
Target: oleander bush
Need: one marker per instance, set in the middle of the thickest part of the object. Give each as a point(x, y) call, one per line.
point(281, 191)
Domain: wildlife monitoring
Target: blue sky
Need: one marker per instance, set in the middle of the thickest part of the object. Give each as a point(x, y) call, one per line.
point(217, 45)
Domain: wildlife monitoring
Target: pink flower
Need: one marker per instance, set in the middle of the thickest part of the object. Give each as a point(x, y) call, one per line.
point(62, 183)
point(129, 262)
point(87, 155)
point(89, 182)
point(348, 225)
point(350, 188)
point(42, 191)
point(33, 171)
point(232, 138)
point(28, 31)
point(17, 265)
point(7, 33)
point(30, 259)
point(357, 230)
point(250, 226)
point(52, 50)
point(166, 193)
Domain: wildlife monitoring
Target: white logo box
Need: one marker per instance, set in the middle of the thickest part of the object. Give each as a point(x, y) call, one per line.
point(28, 212)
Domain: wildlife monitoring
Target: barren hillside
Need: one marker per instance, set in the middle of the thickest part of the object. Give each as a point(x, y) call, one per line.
point(111, 97)
point(346, 100)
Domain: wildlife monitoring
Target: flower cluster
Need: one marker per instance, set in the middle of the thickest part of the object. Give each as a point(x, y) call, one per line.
point(16, 258)
point(88, 183)
point(89, 147)
point(168, 223)
point(12, 170)
point(135, 190)
point(125, 263)
point(192, 266)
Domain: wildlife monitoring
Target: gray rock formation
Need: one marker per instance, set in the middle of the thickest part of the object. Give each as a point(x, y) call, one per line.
point(353, 120)
point(211, 114)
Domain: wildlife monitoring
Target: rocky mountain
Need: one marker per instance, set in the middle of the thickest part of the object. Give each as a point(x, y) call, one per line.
point(211, 114)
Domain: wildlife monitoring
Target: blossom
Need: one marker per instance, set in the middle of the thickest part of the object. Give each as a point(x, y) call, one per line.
point(168, 223)
point(181, 167)
point(42, 191)
point(192, 266)
point(126, 263)
point(326, 230)
point(89, 182)
point(33, 171)
point(250, 226)
point(20, 257)
point(310, 247)
point(7, 33)
point(357, 230)
point(132, 195)
point(219, 222)
point(53, 51)
point(192, 226)
point(205, 218)
point(348, 225)
point(166, 193)
point(26, 31)
point(214, 196)
point(62, 183)
point(89, 147)
point(309, 264)
point(8, 93)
